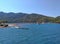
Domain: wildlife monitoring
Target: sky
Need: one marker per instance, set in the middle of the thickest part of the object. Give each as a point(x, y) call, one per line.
point(45, 7)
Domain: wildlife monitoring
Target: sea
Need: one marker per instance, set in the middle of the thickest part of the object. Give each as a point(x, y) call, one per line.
point(29, 33)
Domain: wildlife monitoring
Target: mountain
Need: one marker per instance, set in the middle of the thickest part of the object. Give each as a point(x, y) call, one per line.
point(24, 17)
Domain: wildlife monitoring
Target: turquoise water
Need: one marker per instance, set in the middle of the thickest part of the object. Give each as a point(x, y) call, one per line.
point(35, 34)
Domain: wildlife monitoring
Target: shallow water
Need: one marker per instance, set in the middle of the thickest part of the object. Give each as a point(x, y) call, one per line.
point(34, 34)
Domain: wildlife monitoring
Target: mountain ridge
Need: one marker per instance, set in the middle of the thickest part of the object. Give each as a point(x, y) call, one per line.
point(24, 17)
